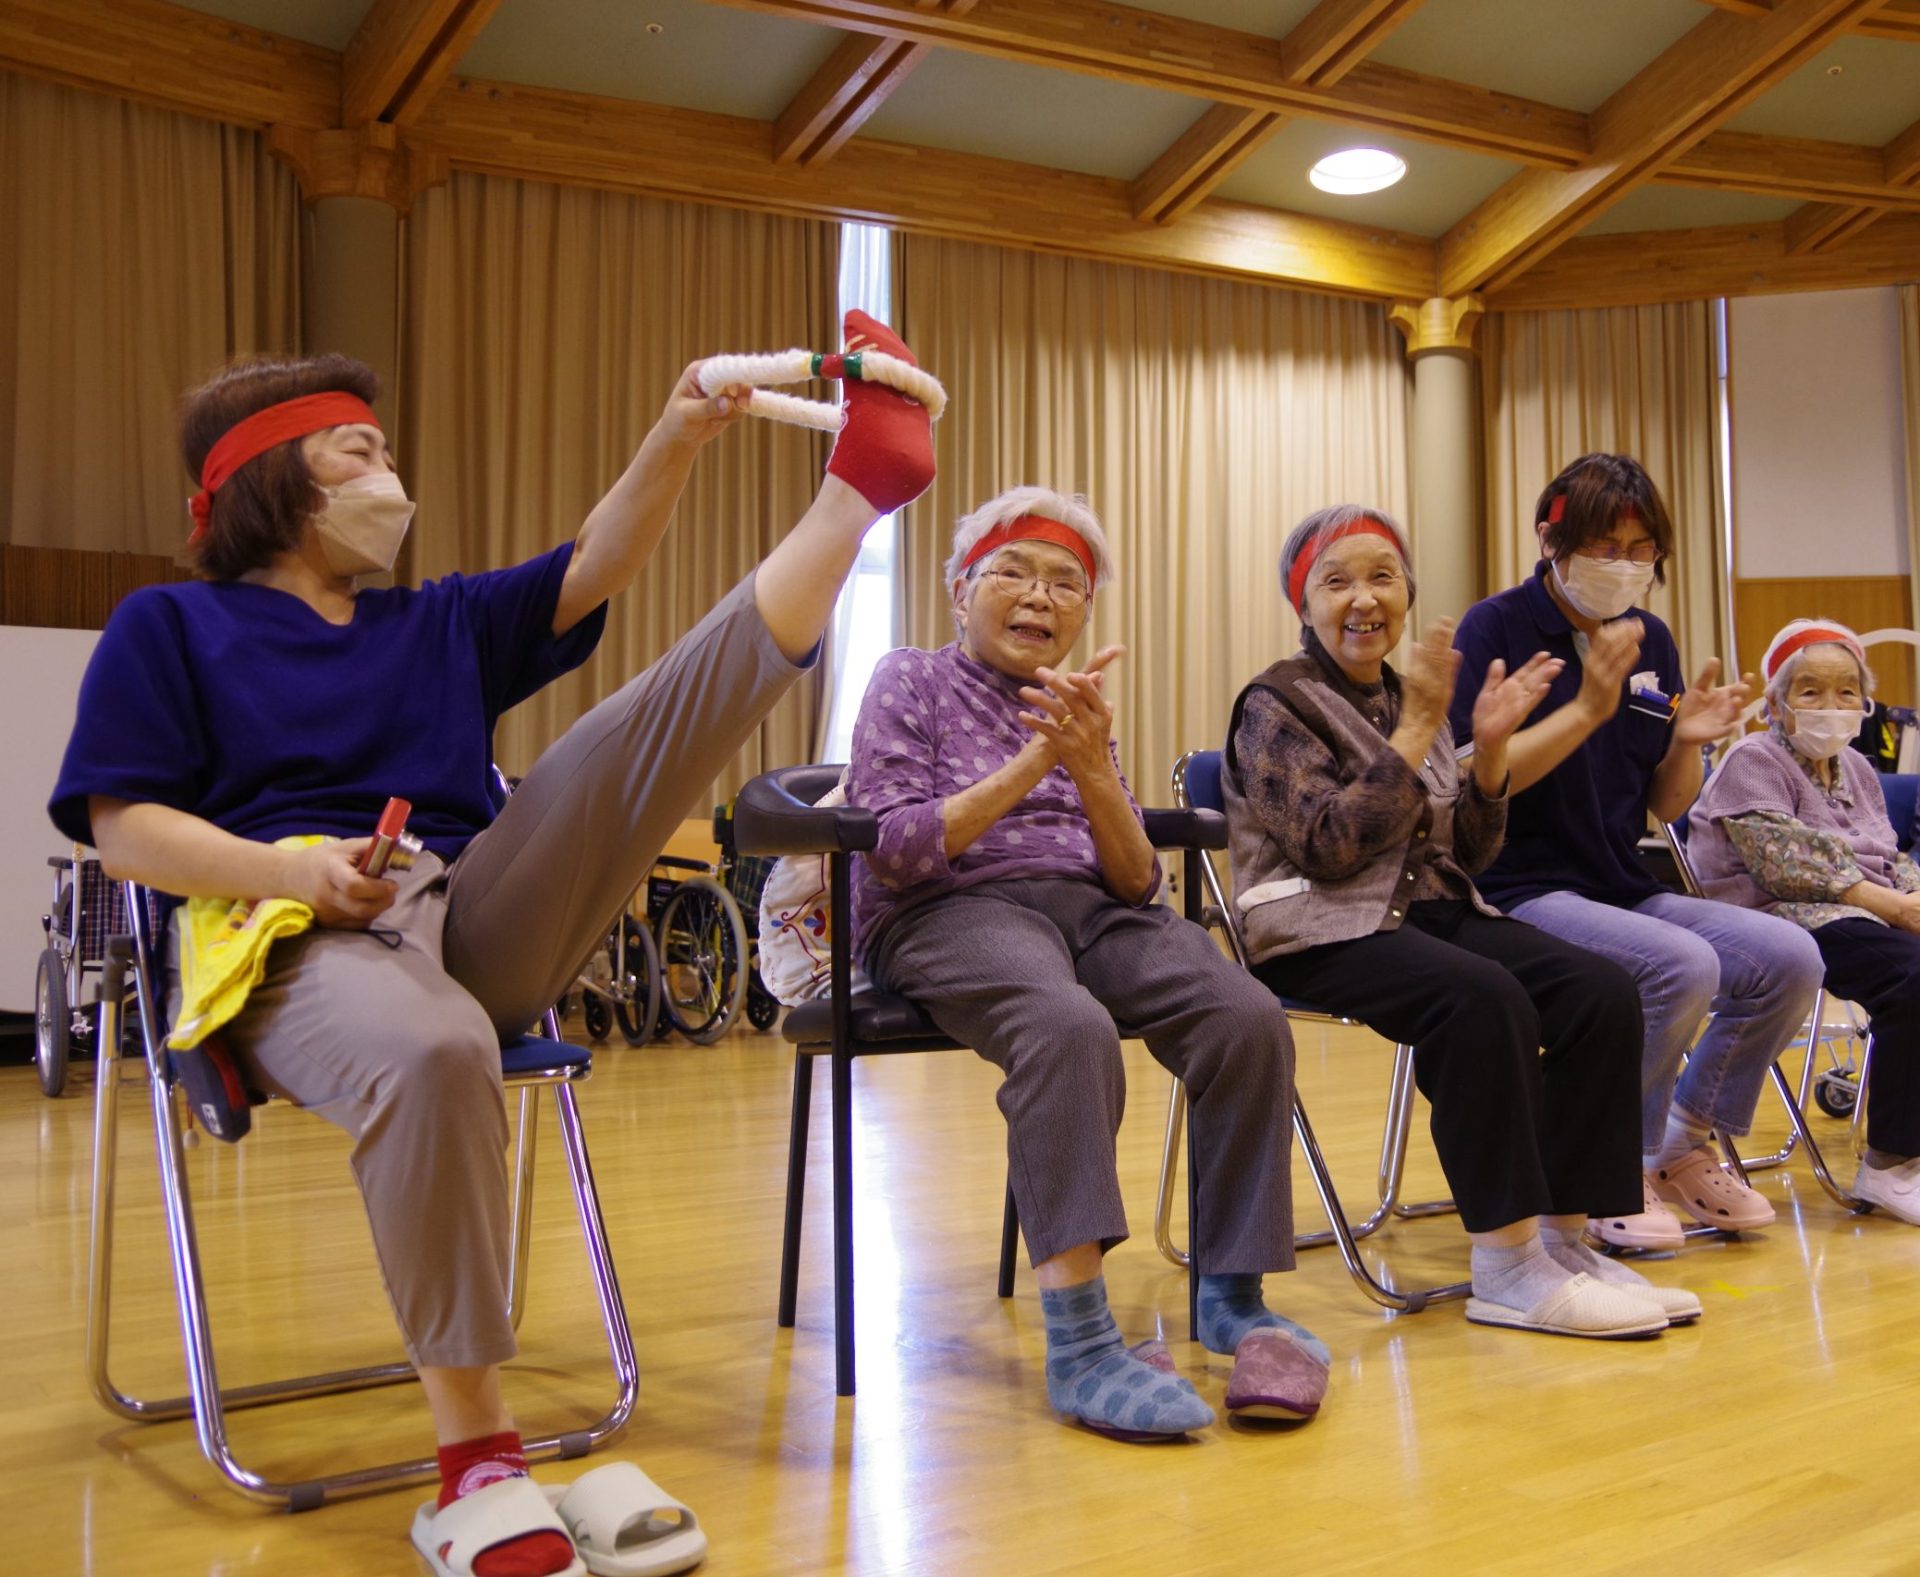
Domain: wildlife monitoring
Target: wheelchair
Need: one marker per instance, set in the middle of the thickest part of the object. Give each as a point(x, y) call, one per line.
point(676, 958)
point(702, 940)
point(745, 877)
point(620, 983)
point(86, 909)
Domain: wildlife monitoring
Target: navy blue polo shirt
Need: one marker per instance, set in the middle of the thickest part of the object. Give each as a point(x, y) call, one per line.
point(1577, 829)
point(239, 704)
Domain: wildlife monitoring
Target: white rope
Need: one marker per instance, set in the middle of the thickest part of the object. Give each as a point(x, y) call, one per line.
point(797, 366)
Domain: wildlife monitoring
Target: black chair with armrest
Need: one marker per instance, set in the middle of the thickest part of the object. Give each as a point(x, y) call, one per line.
point(776, 814)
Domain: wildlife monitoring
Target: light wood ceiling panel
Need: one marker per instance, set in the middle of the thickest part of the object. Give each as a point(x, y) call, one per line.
point(702, 58)
point(1872, 98)
point(1032, 120)
point(1439, 186)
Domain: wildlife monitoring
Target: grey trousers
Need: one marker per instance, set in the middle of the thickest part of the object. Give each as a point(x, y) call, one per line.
point(1042, 978)
point(394, 1034)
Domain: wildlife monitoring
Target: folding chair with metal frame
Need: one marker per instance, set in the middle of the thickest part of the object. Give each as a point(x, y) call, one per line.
point(1675, 834)
point(530, 1064)
point(1196, 783)
point(775, 815)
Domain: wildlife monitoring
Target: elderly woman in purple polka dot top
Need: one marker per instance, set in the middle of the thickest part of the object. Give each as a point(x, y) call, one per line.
point(1012, 896)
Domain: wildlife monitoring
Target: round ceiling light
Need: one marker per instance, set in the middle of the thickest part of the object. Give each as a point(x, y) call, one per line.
point(1354, 171)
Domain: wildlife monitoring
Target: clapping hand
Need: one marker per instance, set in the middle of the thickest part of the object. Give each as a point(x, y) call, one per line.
point(1708, 711)
point(1507, 700)
point(1426, 684)
point(1073, 715)
point(1611, 654)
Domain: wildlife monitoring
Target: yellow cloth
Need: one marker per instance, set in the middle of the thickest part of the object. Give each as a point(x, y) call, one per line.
point(223, 953)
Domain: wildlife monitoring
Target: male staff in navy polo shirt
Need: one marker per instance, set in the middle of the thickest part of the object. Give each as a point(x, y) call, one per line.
point(1617, 737)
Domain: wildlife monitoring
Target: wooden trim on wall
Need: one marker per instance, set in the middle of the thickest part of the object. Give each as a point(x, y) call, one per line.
point(71, 589)
point(1761, 605)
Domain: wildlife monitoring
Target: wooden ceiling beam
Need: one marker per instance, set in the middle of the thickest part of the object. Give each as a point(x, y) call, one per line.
point(1205, 154)
point(176, 58)
point(1637, 269)
point(1150, 49)
point(1813, 171)
point(401, 53)
point(1820, 227)
point(1336, 35)
point(1896, 19)
point(503, 129)
point(1720, 65)
point(1323, 47)
point(853, 82)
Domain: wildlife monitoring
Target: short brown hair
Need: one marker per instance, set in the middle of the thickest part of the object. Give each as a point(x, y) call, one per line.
point(1599, 489)
point(259, 510)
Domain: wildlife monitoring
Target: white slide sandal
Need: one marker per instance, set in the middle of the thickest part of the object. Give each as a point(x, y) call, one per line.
point(625, 1525)
point(451, 1538)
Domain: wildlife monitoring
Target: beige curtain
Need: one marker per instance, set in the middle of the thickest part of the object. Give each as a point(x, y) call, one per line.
point(1202, 418)
point(139, 249)
point(542, 329)
point(1910, 387)
point(1633, 380)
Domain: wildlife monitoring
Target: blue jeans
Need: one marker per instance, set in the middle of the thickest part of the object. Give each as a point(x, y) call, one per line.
point(1756, 972)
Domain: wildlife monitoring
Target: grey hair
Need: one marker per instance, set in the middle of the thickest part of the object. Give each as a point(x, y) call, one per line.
point(1776, 692)
point(1333, 518)
point(1071, 510)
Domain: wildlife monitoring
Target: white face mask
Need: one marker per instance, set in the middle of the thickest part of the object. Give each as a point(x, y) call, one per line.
point(1820, 734)
point(1599, 589)
point(363, 523)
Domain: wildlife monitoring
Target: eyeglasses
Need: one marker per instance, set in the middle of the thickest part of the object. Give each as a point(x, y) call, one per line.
point(1641, 553)
point(1017, 583)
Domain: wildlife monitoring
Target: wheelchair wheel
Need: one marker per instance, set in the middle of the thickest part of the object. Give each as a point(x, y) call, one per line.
point(596, 1016)
point(1835, 1094)
point(703, 950)
point(636, 983)
point(52, 1023)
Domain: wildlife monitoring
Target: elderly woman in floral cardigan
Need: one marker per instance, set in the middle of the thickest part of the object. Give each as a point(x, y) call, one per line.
point(1794, 822)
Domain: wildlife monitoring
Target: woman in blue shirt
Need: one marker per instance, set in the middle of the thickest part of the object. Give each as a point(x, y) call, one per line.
point(1617, 739)
point(277, 696)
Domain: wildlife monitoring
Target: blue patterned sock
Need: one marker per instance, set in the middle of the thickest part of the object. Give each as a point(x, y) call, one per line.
point(1230, 1306)
point(1092, 1377)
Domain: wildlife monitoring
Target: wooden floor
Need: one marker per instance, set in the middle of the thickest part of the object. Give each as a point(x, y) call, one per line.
point(1781, 1435)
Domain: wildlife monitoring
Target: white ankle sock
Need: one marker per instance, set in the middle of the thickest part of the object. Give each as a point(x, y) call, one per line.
point(1570, 1252)
point(1683, 1134)
point(1517, 1277)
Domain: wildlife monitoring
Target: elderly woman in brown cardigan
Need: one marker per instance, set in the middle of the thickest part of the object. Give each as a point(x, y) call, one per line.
point(1356, 833)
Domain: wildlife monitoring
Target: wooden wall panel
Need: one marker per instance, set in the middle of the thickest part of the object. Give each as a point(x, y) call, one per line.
point(1866, 602)
point(67, 589)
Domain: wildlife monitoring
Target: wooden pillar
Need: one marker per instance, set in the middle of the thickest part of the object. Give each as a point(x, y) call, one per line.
point(1448, 535)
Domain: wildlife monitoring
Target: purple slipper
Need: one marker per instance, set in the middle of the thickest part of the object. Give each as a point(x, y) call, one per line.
point(1275, 1378)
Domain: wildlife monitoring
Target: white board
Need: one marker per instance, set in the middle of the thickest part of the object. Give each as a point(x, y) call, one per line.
point(39, 686)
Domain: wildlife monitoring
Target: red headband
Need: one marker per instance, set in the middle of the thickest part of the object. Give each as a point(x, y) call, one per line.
point(1557, 511)
point(249, 439)
point(1035, 528)
point(1813, 635)
point(1303, 564)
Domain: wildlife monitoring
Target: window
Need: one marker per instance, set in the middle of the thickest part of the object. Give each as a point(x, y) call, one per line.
point(863, 620)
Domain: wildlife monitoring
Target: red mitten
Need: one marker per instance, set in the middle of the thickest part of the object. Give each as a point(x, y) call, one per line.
point(885, 451)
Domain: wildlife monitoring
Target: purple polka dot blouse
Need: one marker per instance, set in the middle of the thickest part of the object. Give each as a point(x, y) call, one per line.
point(930, 725)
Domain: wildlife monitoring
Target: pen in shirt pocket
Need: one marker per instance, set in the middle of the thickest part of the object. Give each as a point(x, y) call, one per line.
point(1644, 695)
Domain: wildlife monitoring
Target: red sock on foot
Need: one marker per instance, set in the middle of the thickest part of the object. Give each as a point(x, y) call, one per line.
point(473, 1464)
point(885, 451)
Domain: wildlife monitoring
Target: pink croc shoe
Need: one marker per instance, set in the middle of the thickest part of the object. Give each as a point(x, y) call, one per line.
point(1709, 1193)
point(1654, 1227)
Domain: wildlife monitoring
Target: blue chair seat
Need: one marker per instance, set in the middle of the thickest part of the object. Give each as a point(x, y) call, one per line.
point(540, 1054)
